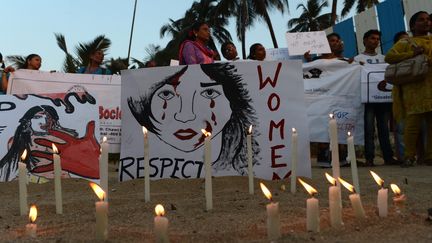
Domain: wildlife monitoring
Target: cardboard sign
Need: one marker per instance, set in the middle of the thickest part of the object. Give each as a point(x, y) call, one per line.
point(300, 42)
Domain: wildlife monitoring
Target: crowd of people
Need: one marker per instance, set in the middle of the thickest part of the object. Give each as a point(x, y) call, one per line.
point(409, 116)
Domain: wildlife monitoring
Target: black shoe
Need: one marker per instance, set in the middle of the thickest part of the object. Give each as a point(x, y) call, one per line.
point(408, 162)
point(392, 161)
point(367, 163)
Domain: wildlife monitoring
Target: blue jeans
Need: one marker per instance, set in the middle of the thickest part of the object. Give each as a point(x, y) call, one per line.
point(381, 112)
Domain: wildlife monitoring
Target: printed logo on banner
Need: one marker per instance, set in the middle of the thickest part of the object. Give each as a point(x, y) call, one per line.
point(223, 100)
point(32, 123)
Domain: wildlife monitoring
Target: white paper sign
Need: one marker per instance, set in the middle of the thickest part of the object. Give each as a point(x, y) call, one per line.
point(106, 88)
point(374, 88)
point(300, 42)
point(279, 54)
point(175, 103)
point(332, 86)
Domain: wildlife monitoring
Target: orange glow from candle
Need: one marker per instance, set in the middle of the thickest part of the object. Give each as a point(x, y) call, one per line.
point(159, 210)
point(378, 179)
point(312, 191)
point(331, 179)
point(98, 190)
point(331, 116)
point(293, 130)
point(207, 134)
point(396, 190)
point(347, 185)
point(144, 129)
point(24, 155)
point(266, 191)
point(54, 148)
point(250, 129)
point(33, 214)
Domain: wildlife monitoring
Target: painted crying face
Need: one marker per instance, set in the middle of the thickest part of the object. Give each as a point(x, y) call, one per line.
point(40, 122)
point(187, 105)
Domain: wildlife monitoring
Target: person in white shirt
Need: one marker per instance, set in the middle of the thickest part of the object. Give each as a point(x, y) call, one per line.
point(381, 112)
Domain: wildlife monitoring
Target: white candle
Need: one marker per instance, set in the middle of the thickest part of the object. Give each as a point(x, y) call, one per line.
point(103, 166)
point(208, 170)
point(312, 209)
point(294, 159)
point(250, 164)
point(334, 150)
point(273, 218)
point(31, 228)
point(353, 160)
point(334, 203)
point(382, 200)
point(146, 166)
point(355, 200)
point(161, 225)
point(57, 181)
point(101, 213)
point(22, 177)
point(399, 199)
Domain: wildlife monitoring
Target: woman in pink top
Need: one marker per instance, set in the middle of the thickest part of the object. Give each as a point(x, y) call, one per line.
point(194, 50)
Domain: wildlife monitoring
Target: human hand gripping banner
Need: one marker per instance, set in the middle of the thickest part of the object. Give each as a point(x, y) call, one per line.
point(35, 122)
point(175, 103)
point(104, 88)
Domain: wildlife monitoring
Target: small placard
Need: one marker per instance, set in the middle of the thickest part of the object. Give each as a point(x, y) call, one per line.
point(301, 42)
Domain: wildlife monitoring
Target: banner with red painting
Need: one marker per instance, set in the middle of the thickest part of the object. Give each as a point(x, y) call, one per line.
point(175, 103)
point(33, 123)
point(105, 88)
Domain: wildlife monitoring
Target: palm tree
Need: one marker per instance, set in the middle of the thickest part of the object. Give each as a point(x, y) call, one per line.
point(333, 12)
point(82, 50)
point(244, 15)
point(310, 19)
point(261, 8)
point(151, 52)
point(362, 5)
point(17, 61)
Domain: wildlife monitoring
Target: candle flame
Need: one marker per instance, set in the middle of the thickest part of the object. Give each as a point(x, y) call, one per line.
point(347, 185)
point(330, 179)
point(33, 214)
point(54, 148)
point(144, 129)
point(159, 210)
point(349, 134)
point(293, 130)
point(266, 191)
point(378, 179)
point(250, 129)
point(98, 190)
point(207, 134)
point(331, 116)
point(24, 155)
point(104, 139)
point(312, 191)
point(396, 190)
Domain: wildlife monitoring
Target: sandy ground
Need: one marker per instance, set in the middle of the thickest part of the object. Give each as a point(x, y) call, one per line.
point(237, 216)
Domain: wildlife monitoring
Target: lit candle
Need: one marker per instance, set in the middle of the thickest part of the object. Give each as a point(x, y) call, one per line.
point(294, 158)
point(22, 177)
point(334, 150)
point(161, 225)
point(353, 160)
point(399, 199)
point(57, 180)
point(334, 203)
point(146, 166)
point(273, 219)
point(101, 213)
point(103, 166)
point(250, 164)
point(208, 168)
point(312, 209)
point(382, 196)
point(31, 227)
point(355, 200)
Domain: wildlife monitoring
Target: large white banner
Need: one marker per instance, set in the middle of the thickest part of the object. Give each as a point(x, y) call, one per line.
point(333, 87)
point(175, 103)
point(374, 87)
point(106, 88)
point(35, 122)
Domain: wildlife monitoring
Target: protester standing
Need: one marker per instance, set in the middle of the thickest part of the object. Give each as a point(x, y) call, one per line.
point(95, 61)
point(413, 102)
point(229, 51)
point(257, 52)
point(195, 50)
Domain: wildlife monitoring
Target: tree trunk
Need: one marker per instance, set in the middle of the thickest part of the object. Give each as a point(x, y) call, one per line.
point(270, 26)
point(333, 12)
